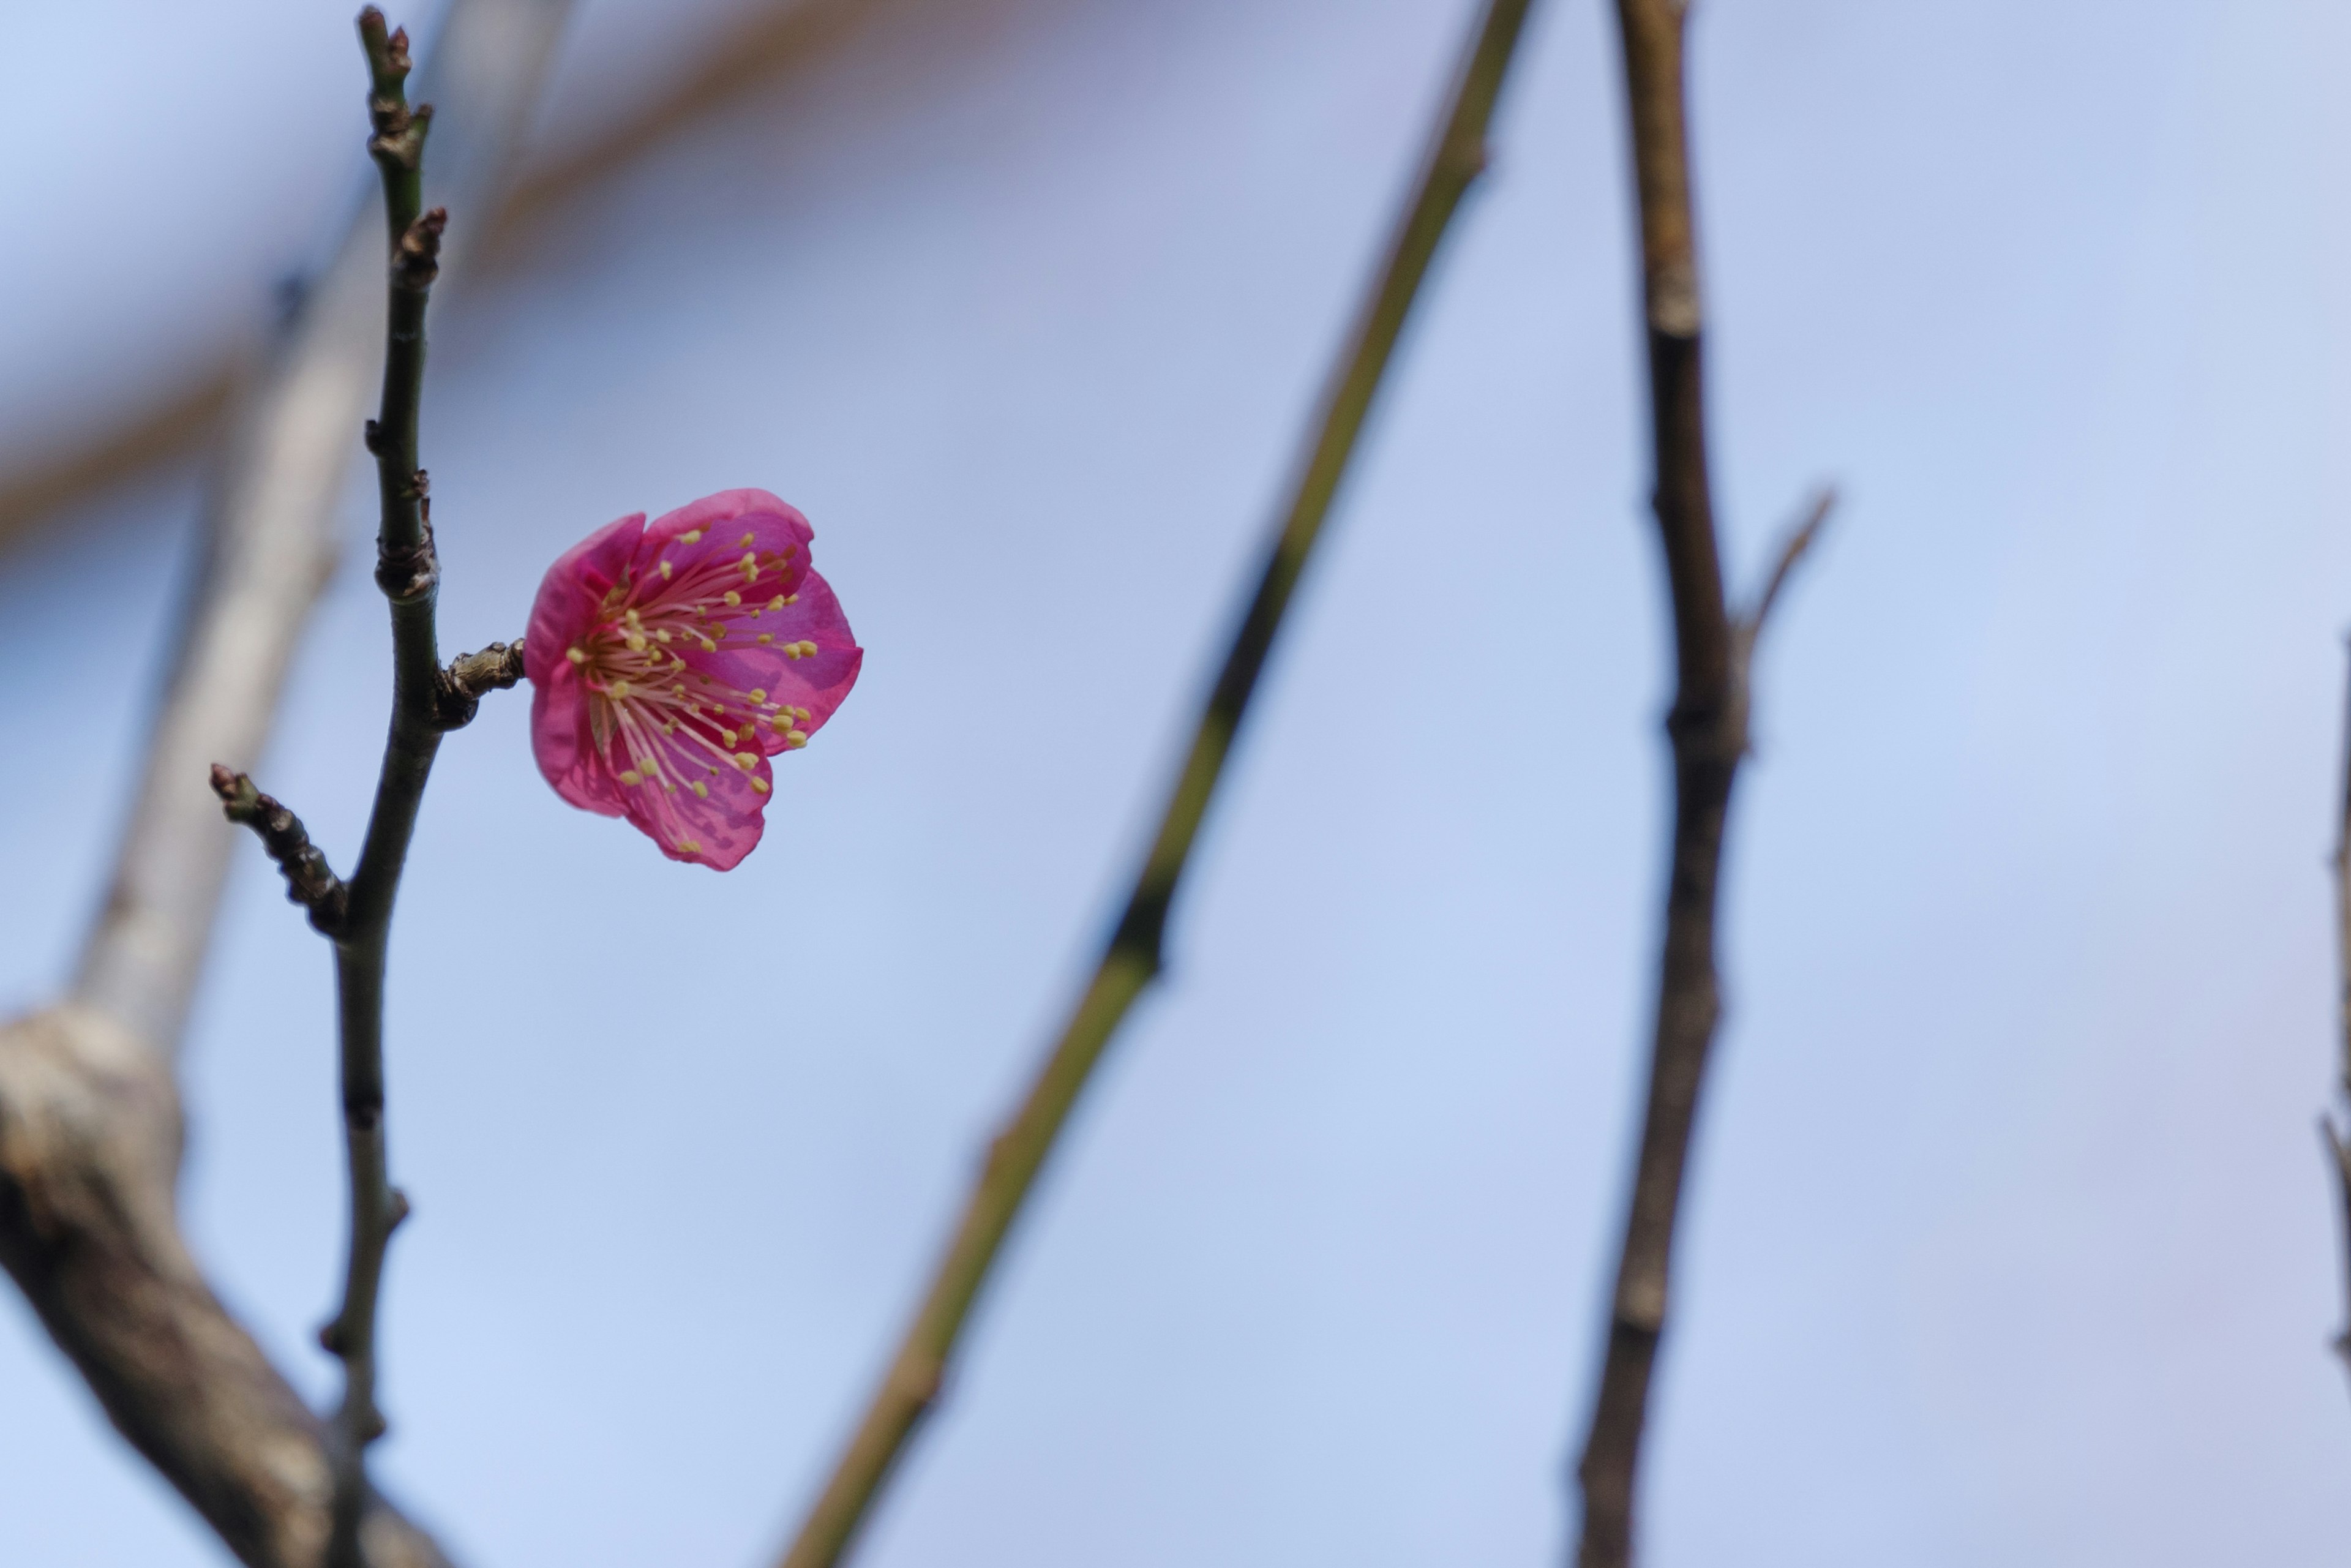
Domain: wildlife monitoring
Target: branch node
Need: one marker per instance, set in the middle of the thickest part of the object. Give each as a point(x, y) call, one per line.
point(416, 259)
point(399, 1212)
point(308, 881)
point(408, 574)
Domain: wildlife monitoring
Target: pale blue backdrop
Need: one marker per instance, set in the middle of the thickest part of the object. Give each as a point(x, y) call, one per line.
point(2009, 1240)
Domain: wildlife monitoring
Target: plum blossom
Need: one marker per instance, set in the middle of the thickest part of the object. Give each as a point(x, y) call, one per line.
point(669, 660)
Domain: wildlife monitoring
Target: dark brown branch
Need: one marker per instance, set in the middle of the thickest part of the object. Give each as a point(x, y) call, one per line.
point(410, 577)
point(2338, 1143)
point(1707, 727)
point(90, 1121)
point(911, 1385)
point(308, 881)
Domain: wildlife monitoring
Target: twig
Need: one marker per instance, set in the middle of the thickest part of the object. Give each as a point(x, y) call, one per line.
point(1793, 550)
point(410, 577)
point(89, 1116)
point(496, 668)
point(1707, 728)
point(1133, 957)
point(2338, 1143)
point(309, 882)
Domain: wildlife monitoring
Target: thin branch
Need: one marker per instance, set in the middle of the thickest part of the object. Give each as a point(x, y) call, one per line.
point(2338, 1143)
point(309, 882)
point(410, 577)
point(1707, 729)
point(89, 1116)
point(1132, 959)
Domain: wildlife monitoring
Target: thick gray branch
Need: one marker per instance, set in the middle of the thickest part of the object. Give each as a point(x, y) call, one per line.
point(90, 1153)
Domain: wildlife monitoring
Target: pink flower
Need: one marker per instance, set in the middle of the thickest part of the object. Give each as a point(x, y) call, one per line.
point(668, 662)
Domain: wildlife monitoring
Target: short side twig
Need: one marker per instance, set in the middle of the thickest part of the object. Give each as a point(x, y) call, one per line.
point(470, 676)
point(1707, 727)
point(2338, 1143)
point(1133, 957)
point(308, 881)
point(1793, 550)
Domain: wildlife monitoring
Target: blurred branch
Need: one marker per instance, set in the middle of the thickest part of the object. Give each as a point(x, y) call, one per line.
point(775, 42)
point(911, 1385)
point(2338, 1143)
point(89, 1116)
point(1708, 730)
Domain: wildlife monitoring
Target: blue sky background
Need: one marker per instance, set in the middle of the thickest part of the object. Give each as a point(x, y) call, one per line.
point(2009, 1240)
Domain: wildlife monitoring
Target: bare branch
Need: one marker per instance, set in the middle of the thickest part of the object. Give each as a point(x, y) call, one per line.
point(90, 1129)
point(308, 881)
point(89, 1152)
point(1707, 727)
point(1132, 959)
point(410, 577)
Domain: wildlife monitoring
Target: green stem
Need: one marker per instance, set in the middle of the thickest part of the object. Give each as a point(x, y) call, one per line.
point(1133, 957)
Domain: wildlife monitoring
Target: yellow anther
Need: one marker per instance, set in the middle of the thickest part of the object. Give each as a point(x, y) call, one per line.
point(792, 599)
point(794, 739)
point(691, 537)
point(701, 791)
point(632, 777)
point(662, 635)
point(759, 694)
point(733, 597)
point(760, 785)
point(575, 656)
point(747, 760)
point(792, 650)
point(636, 641)
point(745, 540)
point(707, 646)
point(790, 550)
point(663, 565)
point(803, 714)
point(765, 638)
point(689, 846)
point(808, 649)
point(777, 603)
point(678, 691)
point(727, 736)
point(618, 690)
